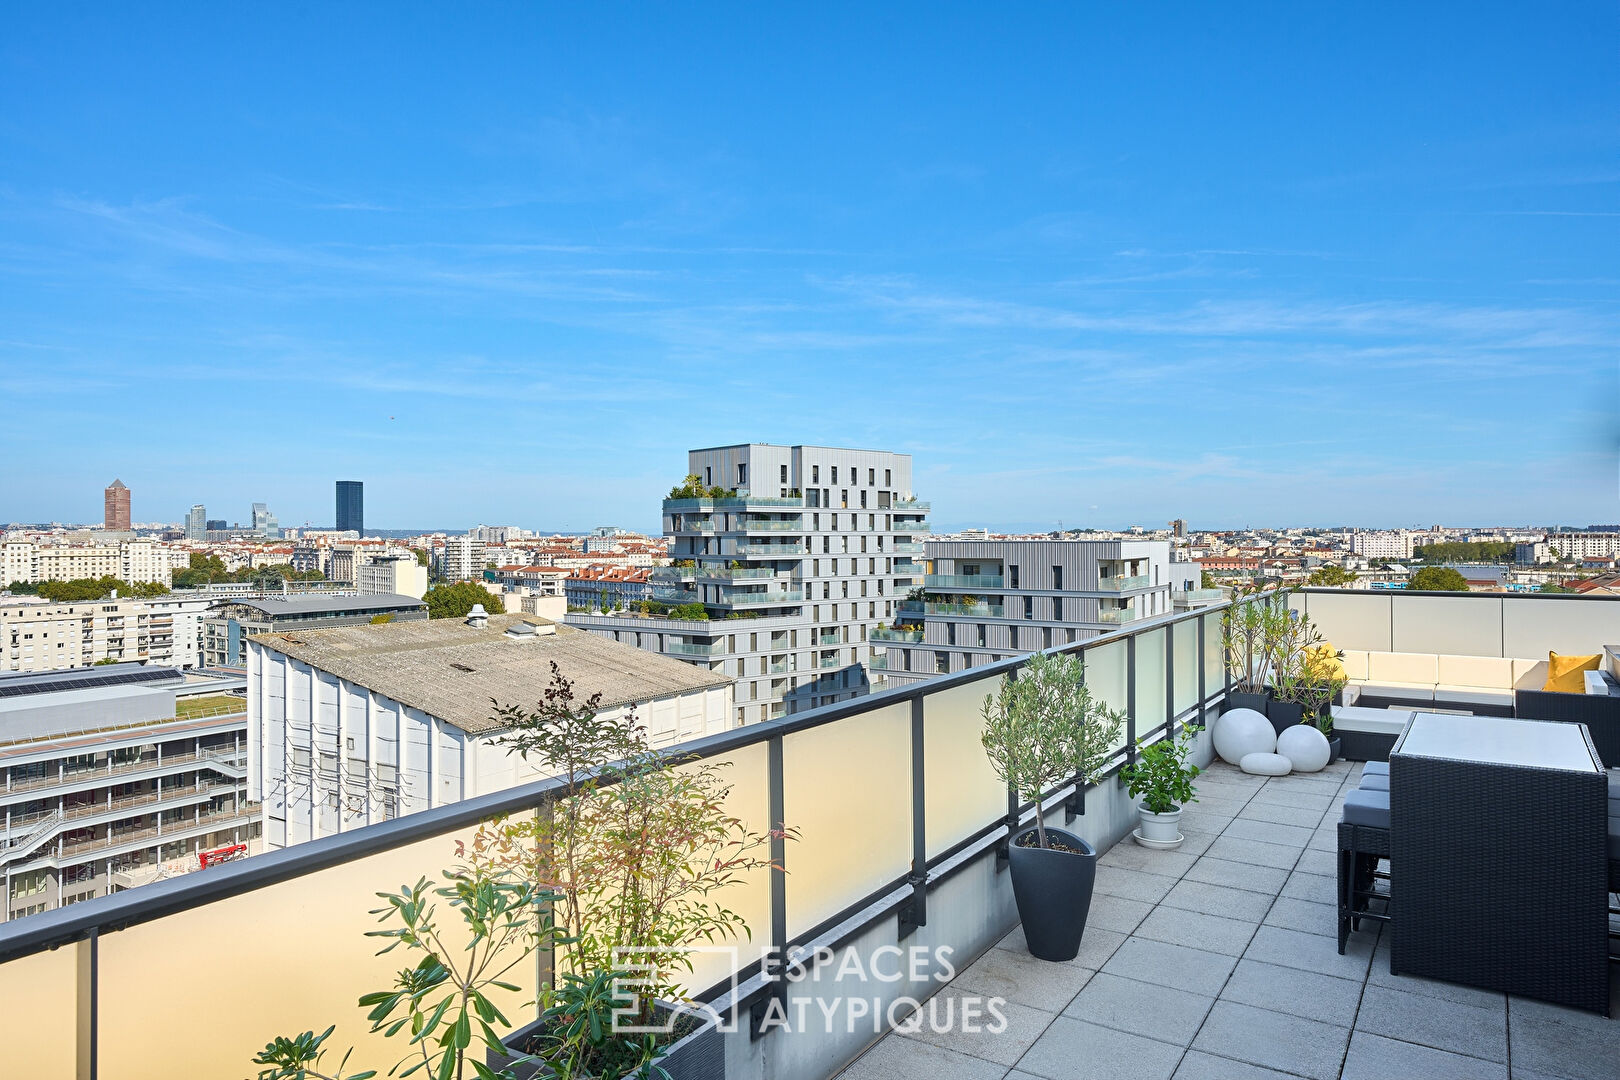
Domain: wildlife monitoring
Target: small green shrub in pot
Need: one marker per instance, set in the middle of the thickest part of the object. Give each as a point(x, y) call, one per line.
point(1162, 777)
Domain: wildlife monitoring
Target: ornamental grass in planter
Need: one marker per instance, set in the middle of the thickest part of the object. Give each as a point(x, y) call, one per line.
point(1250, 631)
point(1041, 730)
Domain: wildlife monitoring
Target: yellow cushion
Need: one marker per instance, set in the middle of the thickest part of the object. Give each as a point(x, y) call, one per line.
point(1564, 673)
point(1322, 662)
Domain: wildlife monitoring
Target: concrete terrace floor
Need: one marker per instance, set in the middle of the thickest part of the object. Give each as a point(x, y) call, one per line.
point(1219, 961)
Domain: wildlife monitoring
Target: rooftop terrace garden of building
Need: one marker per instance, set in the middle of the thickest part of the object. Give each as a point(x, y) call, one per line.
point(1207, 961)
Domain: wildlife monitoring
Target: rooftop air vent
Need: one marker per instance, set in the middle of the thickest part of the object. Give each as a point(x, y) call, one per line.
point(478, 618)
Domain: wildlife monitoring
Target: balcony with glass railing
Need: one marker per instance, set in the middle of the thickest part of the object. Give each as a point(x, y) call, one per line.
point(755, 524)
point(910, 569)
point(905, 525)
point(673, 594)
point(932, 607)
point(759, 597)
point(889, 633)
point(736, 573)
point(1121, 583)
point(911, 505)
point(773, 551)
point(694, 648)
point(1117, 616)
point(1219, 959)
point(907, 547)
point(1195, 596)
point(963, 581)
point(733, 502)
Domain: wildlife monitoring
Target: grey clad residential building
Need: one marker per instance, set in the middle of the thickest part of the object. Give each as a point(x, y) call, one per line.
point(987, 600)
point(351, 507)
point(795, 555)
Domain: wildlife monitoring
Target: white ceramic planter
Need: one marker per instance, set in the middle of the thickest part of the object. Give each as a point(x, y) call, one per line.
point(1161, 831)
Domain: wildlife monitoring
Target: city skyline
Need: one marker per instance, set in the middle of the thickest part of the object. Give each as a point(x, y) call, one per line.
point(1103, 268)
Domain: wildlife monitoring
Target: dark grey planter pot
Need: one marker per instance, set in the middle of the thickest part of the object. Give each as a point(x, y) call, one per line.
point(1284, 714)
point(698, 1055)
point(1053, 892)
point(1335, 744)
point(1238, 699)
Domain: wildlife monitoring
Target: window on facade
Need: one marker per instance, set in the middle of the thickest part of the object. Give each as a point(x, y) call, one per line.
point(742, 474)
point(784, 474)
point(1029, 607)
point(888, 477)
point(815, 474)
point(843, 498)
point(1057, 609)
point(863, 498)
point(1057, 577)
point(871, 477)
point(950, 633)
point(942, 663)
point(835, 474)
point(1012, 577)
point(981, 635)
point(1046, 637)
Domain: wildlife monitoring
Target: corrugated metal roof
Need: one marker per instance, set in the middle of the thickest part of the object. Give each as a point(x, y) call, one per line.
point(455, 671)
point(302, 605)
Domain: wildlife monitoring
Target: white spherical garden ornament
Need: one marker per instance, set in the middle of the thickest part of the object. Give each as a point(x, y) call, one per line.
point(1306, 747)
point(1240, 732)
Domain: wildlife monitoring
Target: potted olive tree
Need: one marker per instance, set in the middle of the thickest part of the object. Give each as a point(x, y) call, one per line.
point(1162, 777)
point(1042, 729)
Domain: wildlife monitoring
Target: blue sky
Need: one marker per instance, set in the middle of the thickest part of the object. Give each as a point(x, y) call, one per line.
point(1098, 264)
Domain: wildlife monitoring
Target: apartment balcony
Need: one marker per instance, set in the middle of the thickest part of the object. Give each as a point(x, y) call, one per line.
point(930, 607)
point(674, 594)
point(695, 648)
point(760, 597)
point(963, 581)
point(738, 573)
point(734, 502)
point(878, 662)
point(907, 547)
point(905, 525)
point(829, 638)
point(1120, 583)
point(1198, 596)
point(905, 506)
point(910, 569)
point(705, 525)
point(830, 662)
point(791, 550)
point(1216, 960)
point(886, 633)
point(768, 525)
point(1117, 616)
point(667, 574)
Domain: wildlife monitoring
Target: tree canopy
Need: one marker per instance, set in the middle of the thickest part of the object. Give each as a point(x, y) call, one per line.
point(454, 601)
point(1465, 551)
point(209, 570)
point(1330, 575)
point(1437, 579)
point(82, 589)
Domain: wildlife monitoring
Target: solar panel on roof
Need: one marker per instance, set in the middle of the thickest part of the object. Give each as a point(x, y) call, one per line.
point(52, 682)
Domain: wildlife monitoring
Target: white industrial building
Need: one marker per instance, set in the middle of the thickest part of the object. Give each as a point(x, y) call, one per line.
point(356, 725)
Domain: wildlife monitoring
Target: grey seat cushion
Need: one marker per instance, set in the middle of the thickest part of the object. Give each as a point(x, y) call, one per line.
point(1381, 768)
point(1375, 782)
point(1363, 807)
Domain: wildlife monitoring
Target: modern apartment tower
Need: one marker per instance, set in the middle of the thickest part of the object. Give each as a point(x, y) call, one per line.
point(986, 600)
point(115, 507)
point(265, 523)
point(197, 523)
point(351, 507)
point(793, 556)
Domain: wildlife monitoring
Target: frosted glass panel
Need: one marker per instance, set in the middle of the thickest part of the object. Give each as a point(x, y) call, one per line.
point(1214, 652)
point(1186, 664)
point(1106, 673)
point(218, 981)
point(1150, 677)
point(847, 789)
point(747, 772)
point(961, 791)
point(38, 999)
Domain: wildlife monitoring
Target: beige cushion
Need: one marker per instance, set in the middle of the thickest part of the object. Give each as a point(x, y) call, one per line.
point(1411, 668)
point(1469, 694)
point(1405, 691)
point(1355, 664)
point(1529, 674)
point(1489, 672)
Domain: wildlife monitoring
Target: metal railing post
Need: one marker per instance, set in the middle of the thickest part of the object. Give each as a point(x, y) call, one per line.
point(87, 960)
point(915, 914)
point(1170, 681)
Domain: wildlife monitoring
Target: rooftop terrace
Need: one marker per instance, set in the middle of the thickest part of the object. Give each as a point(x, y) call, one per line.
point(1219, 960)
point(1216, 960)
